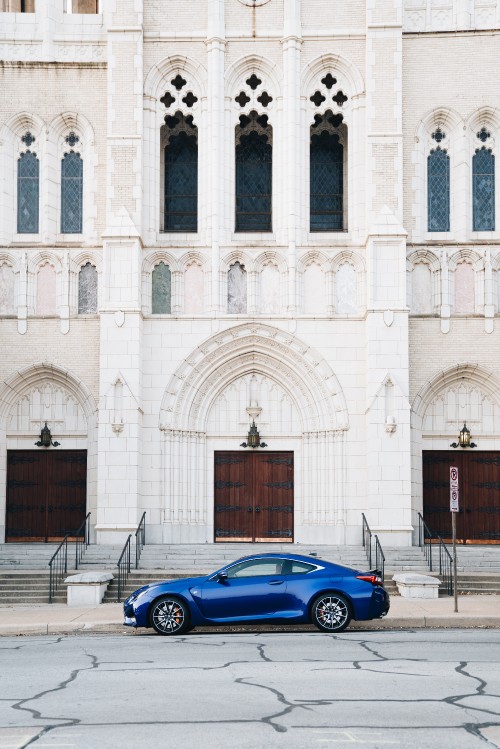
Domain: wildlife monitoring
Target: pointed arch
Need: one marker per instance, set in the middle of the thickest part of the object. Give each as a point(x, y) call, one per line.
point(345, 67)
point(246, 348)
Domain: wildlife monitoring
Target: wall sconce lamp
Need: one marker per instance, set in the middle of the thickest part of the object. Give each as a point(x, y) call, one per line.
point(464, 438)
point(46, 438)
point(253, 437)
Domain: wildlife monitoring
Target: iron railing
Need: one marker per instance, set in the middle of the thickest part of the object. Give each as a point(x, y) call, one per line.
point(124, 561)
point(82, 540)
point(140, 539)
point(123, 568)
point(425, 541)
point(370, 540)
point(58, 567)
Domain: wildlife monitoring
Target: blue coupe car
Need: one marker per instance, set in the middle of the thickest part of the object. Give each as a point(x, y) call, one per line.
point(274, 588)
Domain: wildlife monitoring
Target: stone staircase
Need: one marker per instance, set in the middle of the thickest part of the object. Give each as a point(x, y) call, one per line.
point(24, 576)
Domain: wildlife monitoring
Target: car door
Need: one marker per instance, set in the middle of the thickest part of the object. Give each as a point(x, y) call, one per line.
point(253, 589)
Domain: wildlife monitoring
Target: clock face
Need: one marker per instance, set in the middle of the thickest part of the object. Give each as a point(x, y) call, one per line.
point(254, 3)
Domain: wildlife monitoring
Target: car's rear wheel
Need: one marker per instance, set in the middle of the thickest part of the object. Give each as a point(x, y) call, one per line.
point(331, 612)
point(170, 616)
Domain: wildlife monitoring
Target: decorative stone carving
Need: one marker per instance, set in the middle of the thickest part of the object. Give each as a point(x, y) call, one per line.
point(7, 282)
point(51, 403)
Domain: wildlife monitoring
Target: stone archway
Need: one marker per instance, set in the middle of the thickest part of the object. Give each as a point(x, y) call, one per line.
point(228, 357)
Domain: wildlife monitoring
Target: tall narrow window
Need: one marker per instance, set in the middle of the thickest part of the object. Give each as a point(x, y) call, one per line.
point(181, 174)
point(71, 193)
point(438, 190)
point(254, 159)
point(327, 174)
point(483, 190)
point(28, 179)
point(161, 290)
point(87, 289)
point(237, 289)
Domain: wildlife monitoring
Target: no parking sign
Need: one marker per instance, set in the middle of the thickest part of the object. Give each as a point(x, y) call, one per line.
point(454, 489)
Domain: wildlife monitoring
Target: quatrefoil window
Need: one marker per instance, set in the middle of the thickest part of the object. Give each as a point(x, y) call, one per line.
point(253, 81)
point(178, 82)
point(483, 135)
point(189, 99)
point(265, 99)
point(242, 99)
point(317, 98)
point(438, 135)
point(340, 98)
point(28, 139)
point(329, 81)
point(72, 139)
point(167, 99)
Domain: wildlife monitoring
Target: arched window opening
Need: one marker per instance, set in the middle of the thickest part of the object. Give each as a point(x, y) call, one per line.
point(180, 182)
point(464, 289)
point(7, 286)
point(483, 190)
point(237, 289)
point(161, 291)
point(71, 193)
point(28, 189)
point(421, 290)
point(438, 190)
point(194, 289)
point(254, 164)
point(314, 289)
point(327, 167)
point(87, 289)
point(46, 291)
point(346, 287)
point(270, 289)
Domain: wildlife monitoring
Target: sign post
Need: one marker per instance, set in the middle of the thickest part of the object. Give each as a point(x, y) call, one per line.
point(454, 509)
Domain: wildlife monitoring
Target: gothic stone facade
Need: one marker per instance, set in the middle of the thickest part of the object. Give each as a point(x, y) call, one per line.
point(226, 210)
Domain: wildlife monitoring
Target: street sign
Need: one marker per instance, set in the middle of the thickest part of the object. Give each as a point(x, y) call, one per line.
point(454, 489)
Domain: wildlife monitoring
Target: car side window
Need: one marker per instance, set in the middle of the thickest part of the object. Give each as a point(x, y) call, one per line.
point(293, 567)
point(256, 568)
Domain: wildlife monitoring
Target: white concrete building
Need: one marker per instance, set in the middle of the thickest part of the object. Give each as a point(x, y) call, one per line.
point(236, 210)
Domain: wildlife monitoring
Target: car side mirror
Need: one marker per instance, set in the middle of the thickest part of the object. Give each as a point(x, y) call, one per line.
point(221, 577)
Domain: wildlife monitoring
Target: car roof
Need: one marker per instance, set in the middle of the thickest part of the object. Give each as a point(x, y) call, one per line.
point(276, 555)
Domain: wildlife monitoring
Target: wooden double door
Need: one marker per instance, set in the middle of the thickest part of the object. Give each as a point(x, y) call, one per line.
point(479, 500)
point(46, 493)
point(253, 496)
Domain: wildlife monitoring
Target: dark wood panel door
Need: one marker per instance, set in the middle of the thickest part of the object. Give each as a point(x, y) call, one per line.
point(479, 485)
point(46, 494)
point(253, 496)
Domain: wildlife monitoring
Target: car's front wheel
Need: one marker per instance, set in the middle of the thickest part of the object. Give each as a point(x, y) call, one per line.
point(169, 616)
point(331, 612)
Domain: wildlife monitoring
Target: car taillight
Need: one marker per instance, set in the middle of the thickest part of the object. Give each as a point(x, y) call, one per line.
point(373, 579)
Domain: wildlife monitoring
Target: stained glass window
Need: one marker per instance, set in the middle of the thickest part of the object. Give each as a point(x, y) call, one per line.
point(254, 156)
point(181, 183)
point(326, 182)
point(483, 190)
point(438, 191)
point(161, 290)
point(71, 193)
point(87, 289)
point(28, 177)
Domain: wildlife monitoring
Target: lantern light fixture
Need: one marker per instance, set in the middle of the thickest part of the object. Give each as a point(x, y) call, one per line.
point(253, 437)
point(46, 438)
point(464, 438)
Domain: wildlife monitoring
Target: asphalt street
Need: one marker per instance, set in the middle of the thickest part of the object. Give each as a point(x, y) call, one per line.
point(432, 688)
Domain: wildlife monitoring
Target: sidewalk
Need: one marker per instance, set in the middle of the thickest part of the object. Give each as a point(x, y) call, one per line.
point(405, 613)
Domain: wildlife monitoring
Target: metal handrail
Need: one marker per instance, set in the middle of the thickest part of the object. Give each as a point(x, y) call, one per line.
point(123, 567)
point(82, 540)
point(140, 539)
point(379, 558)
point(58, 566)
point(425, 540)
point(367, 539)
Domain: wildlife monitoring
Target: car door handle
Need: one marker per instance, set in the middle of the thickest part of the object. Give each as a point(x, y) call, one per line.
point(276, 582)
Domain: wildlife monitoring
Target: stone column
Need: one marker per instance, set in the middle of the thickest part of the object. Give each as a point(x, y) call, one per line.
point(292, 137)
point(215, 64)
point(119, 444)
point(388, 505)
